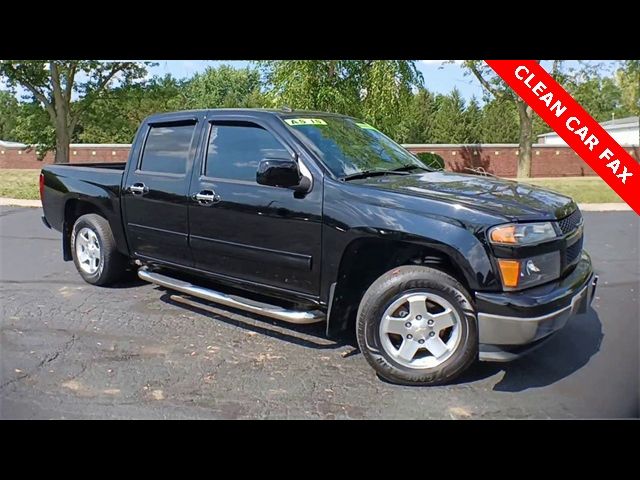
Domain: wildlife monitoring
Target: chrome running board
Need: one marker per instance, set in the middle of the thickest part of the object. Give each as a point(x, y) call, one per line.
point(259, 308)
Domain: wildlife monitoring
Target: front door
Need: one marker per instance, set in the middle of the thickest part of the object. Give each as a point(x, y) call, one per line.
point(261, 234)
point(155, 197)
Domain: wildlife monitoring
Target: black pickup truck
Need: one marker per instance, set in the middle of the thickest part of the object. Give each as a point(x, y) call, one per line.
point(314, 217)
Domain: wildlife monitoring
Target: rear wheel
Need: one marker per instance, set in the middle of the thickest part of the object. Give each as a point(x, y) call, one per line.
point(417, 326)
point(94, 251)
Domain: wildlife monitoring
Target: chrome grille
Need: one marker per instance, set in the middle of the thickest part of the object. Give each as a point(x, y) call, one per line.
point(569, 224)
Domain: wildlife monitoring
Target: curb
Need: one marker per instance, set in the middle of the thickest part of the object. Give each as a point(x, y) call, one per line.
point(585, 207)
point(604, 207)
point(15, 202)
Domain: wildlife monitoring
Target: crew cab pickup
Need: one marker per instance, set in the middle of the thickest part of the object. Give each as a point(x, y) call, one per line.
point(314, 217)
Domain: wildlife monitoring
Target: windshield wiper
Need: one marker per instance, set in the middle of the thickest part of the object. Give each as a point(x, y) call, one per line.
point(371, 173)
point(406, 168)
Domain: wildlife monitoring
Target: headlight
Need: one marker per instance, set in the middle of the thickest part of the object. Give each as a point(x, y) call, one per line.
point(527, 272)
point(521, 233)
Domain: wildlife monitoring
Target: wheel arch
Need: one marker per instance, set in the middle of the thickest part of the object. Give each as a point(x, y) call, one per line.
point(366, 259)
point(74, 208)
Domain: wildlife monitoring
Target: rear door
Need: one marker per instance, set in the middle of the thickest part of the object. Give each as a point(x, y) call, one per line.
point(261, 234)
point(154, 196)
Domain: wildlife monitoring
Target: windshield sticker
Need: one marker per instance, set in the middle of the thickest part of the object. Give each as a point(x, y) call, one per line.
point(294, 122)
point(366, 126)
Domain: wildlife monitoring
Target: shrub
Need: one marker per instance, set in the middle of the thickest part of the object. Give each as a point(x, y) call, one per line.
point(432, 160)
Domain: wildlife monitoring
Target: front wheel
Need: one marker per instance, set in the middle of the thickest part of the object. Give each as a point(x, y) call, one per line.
point(94, 251)
point(417, 326)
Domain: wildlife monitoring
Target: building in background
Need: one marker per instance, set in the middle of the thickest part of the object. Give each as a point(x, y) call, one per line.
point(625, 131)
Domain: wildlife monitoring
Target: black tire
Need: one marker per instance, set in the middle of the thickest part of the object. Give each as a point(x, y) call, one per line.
point(112, 263)
point(391, 286)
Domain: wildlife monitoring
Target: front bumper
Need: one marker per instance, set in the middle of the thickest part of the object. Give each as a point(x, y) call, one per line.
point(511, 324)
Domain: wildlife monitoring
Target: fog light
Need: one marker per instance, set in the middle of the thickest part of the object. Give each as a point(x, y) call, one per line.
point(531, 267)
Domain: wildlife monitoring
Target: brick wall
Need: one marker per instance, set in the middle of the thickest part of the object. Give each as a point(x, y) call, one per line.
point(498, 159)
point(502, 159)
point(11, 157)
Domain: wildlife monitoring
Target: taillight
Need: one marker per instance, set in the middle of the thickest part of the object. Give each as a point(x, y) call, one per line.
point(41, 186)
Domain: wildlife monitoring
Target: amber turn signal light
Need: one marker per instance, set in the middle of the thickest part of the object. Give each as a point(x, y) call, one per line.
point(510, 271)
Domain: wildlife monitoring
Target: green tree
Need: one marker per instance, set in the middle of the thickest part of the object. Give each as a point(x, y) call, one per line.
point(33, 126)
point(53, 84)
point(449, 122)
point(9, 108)
point(499, 123)
point(473, 122)
point(603, 95)
point(628, 79)
point(117, 114)
point(386, 92)
point(224, 87)
point(600, 96)
point(327, 85)
point(495, 87)
point(378, 91)
point(417, 122)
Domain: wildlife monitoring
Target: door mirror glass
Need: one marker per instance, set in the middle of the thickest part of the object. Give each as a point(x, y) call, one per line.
point(278, 172)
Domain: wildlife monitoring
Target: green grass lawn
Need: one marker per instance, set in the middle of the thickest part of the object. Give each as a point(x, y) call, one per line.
point(23, 184)
point(581, 189)
point(19, 183)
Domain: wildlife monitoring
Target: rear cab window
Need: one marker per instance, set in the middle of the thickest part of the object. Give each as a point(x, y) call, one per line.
point(166, 148)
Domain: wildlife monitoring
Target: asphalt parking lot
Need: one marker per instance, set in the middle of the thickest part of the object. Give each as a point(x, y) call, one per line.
point(70, 350)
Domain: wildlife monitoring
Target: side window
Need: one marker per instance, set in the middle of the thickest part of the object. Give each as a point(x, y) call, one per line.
point(167, 148)
point(236, 148)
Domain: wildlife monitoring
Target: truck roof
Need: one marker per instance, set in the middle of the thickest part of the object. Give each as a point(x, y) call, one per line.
point(212, 112)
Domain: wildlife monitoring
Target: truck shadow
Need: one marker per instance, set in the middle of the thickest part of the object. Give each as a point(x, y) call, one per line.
point(563, 354)
point(128, 283)
point(129, 280)
point(309, 336)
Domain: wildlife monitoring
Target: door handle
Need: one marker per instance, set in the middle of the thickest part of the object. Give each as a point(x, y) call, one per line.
point(206, 197)
point(138, 188)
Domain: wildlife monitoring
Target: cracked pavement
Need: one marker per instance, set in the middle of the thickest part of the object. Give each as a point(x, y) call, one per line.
point(70, 350)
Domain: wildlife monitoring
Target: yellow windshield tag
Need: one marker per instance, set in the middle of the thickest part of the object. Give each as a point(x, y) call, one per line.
point(294, 122)
point(366, 126)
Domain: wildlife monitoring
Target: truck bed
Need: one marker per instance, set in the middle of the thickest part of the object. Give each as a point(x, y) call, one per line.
point(98, 183)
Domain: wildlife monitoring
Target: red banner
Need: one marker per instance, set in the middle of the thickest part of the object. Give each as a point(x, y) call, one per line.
point(576, 127)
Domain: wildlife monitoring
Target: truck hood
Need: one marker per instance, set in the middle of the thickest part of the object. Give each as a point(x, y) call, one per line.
point(517, 201)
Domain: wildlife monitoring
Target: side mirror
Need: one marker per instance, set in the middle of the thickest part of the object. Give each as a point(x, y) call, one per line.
point(279, 172)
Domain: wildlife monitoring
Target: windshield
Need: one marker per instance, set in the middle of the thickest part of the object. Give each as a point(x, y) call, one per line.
point(349, 147)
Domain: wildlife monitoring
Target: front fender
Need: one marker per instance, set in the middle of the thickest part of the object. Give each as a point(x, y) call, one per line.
point(352, 213)
point(367, 232)
point(456, 243)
